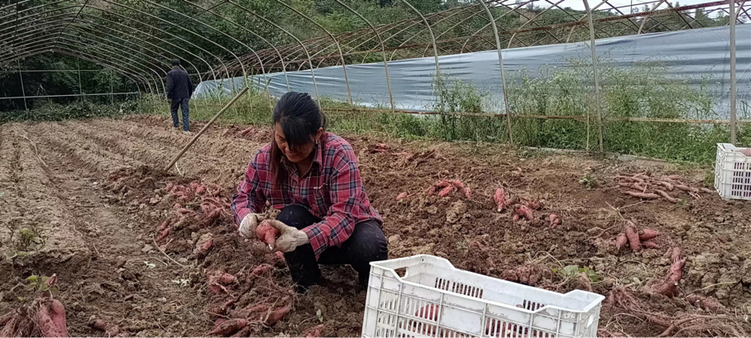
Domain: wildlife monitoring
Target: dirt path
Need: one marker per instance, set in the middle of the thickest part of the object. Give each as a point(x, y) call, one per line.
point(96, 248)
point(93, 191)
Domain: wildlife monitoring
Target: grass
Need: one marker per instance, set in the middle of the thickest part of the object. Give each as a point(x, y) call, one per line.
point(51, 111)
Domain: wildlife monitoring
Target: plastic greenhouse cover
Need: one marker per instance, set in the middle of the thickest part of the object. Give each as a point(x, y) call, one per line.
point(697, 57)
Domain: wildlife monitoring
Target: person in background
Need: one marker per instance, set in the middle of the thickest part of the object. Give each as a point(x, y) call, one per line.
point(179, 91)
point(312, 176)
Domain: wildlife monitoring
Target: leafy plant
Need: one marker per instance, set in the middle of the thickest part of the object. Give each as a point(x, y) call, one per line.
point(589, 181)
point(572, 271)
point(26, 238)
point(37, 283)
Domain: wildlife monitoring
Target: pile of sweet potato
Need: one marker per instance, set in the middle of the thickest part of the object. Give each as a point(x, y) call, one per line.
point(272, 303)
point(636, 239)
point(523, 209)
point(45, 317)
point(195, 204)
point(668, 187)
point(446, 187)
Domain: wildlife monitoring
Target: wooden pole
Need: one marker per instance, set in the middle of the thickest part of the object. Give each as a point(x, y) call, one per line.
point(733, 108)
point(208, 124)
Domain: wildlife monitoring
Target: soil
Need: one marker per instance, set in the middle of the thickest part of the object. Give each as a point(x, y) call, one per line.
point(95, 194)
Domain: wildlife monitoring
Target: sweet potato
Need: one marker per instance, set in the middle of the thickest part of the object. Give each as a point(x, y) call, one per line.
point(524, 211)
point(226, 278)
point(267, 233)
point(109, 330)
point(429, 312)
point(164, 224)
point(443, 184)
point(468, 193)
point(446, 191)
point(456, 183)
point(625, 184)
point(621, 240)
point(648, 234)
point(250, 311)
point(708, 191)
point(51, 318)
point(277, 315)
point(401, 196)
point(430, 191)
point(244, 332)
point(554, 220)
point(633, 237)
point(668, 186)
point(669, 286)
point(515, 218)
point(667, 196)
point(19, 325)
point(675, 177)
point(642, 195)
point(185, 211)
point(650, 245)
point(200, 190)
point(203, 248)
point(227, 327)
point(261, 269)
point(170, 186)
point(313, 332)
point(706, 303)
point(500, 199)
point(164, 234)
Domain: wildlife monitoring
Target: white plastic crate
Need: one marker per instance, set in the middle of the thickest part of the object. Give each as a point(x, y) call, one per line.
point(434, 299)
point(732, 172)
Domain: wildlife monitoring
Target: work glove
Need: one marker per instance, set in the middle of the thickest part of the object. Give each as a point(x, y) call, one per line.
point(248, 226)
point(290, 238)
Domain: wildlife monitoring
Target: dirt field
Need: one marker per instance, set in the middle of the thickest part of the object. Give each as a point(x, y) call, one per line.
point(94, 192)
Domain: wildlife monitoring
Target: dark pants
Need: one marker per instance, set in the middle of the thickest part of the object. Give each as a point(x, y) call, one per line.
point(183, 104)
point(366, 244)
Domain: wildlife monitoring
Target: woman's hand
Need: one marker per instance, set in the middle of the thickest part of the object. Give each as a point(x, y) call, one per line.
point(290, 238)
point(248, 226)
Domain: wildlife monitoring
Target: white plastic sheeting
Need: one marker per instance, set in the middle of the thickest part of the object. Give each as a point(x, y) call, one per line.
point(700, 56)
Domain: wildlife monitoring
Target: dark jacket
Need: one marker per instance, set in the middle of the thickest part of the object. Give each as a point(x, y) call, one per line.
point(178, 85)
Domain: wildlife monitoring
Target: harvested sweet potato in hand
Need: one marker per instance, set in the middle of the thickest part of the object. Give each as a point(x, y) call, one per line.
point(267, 233)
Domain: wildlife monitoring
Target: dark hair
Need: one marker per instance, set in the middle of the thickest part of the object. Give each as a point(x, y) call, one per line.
point(176, 62)
point(300, 118)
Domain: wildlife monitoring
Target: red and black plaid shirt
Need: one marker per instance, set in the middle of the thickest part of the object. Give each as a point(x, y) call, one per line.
point(332, 190)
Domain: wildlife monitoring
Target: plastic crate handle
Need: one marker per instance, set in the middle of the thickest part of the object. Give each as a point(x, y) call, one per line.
point(407, 262)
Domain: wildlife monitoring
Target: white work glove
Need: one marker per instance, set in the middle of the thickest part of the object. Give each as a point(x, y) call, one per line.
point(290, 238)
point(248, 226)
